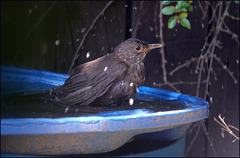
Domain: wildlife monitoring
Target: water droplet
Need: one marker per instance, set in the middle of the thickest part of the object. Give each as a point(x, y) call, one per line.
point(131, 84)
point(134, 8)
point(154, 83)
point(156, 35)
point(94, 35)
point(77, 30)
point(30, 11)
point(110, 97)
point(211, 99)
point(76, 110)
point(121, 30)
point(105, 69)
point(131, 29)
point(36, 6)
point(88, 55)
point(137, 90)
point(131, 101)
point(126, 5)
point(124, 59)
point(77, 39)
point(111, 20)
point(83, 29)
point(102, 49)
point(237, 61)
point(222, 86)
point(57, 42)
point(151, 28)
point(202, 25)
point(50, 92)
point(225, 67)
point(222, 134)
point(122, 83)
point(119, 49)
point(66, 109)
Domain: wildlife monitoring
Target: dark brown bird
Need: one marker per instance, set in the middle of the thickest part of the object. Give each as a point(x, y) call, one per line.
point(110, 79)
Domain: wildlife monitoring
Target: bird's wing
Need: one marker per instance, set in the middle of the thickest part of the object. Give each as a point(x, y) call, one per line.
point(91, 80)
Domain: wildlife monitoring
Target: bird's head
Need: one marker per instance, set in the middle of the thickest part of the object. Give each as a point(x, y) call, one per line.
point(135, 48)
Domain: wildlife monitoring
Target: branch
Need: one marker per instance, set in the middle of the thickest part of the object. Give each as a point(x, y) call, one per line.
point(86, 33)
point(226, 127)
point(225, 68)
point(138, 20)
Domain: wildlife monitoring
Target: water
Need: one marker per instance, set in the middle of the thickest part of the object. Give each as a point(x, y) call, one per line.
point(19, 106)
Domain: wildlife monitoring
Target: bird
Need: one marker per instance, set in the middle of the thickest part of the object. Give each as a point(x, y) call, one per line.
point(107, 80)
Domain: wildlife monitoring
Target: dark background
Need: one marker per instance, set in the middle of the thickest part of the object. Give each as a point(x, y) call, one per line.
point(45, 36)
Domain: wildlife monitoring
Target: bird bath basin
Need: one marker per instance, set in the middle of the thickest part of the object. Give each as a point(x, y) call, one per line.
point(41, 133)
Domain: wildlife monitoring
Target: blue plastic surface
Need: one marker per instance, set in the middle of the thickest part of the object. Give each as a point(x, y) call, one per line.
point(126, 124)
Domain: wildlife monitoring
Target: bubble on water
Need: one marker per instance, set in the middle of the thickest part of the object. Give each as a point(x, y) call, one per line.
point(131, 101)
point(57, 42)
point(88, 55)
point(151, 28)
point(105, 69)
point(83, 30)
point(30, 11)
point(131, 29)
point(66, 109)
point(131, 84)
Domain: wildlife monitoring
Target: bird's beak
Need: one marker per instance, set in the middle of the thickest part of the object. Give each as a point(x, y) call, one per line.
point(152, 46)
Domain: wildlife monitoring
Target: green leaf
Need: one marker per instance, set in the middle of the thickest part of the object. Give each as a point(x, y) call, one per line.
point(183, 15)
point(172, 22)
point(185, 5)
point(236, 2)
point(190, 8)
point(166, 2)
point(179, 4)
point(169, 10)
point(183, 10)
point(185, 23)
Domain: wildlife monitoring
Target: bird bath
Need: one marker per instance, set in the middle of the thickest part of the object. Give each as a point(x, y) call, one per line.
point(30, 133)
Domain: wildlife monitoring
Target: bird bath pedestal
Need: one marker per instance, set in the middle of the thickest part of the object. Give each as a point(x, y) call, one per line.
point(101, 133)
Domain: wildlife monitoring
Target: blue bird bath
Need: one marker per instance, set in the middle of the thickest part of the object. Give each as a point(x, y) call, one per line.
point(94, 133)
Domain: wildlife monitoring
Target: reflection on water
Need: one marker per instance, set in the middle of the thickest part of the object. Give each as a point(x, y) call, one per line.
point(19, 106)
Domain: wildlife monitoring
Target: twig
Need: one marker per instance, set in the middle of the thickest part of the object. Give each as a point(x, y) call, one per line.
point(225, 68)
point(193, 140)
point(226, 128)
point(86, 33)
point(138, 20)
point(186, 64)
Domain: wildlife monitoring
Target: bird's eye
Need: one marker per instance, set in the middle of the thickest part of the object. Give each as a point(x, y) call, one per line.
point(138, 48)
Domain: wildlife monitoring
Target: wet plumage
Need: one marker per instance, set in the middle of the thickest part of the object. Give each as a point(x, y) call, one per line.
point(110, 79)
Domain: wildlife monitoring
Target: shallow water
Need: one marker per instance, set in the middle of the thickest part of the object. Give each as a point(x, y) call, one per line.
point(18, 106)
